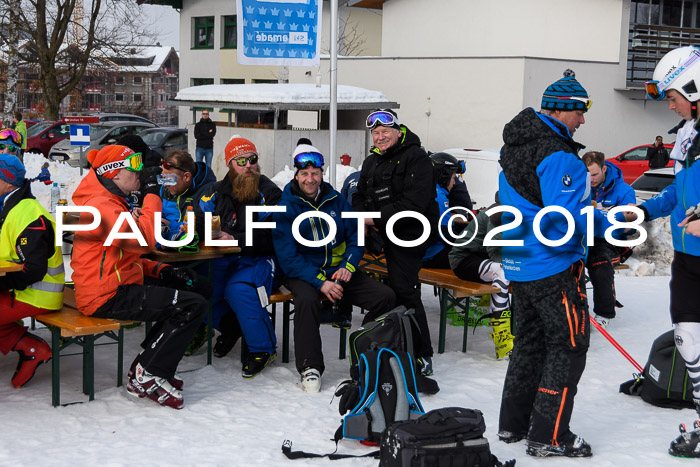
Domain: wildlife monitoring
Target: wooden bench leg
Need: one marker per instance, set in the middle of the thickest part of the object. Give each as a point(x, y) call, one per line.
point(55, 366)
point(343, 341)
point(286, 316)
point(443, 320)
point(89, 366)
point(120, 356)
point(210, 332)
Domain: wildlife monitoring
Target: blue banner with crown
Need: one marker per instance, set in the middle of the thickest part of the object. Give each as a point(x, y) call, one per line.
point(279, 32)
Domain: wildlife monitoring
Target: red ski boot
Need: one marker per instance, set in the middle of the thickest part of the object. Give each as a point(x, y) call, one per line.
point(33, 351)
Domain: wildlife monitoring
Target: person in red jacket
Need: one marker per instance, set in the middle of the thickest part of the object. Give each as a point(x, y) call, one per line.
point(109, 279)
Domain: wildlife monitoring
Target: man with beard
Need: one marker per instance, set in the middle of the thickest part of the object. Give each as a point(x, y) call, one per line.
point(242, 281)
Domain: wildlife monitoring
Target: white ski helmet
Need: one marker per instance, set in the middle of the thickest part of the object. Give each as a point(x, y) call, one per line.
point(679, 70)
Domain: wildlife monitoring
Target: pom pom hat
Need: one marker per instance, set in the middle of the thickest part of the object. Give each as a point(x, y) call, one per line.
point(238, 146)
point(566, 94)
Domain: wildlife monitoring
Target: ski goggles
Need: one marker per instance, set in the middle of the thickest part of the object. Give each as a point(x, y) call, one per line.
point(10, 148)
point(586, 101)
point(381, 117)
point(313, 159)
point(242, 161)
point(12, 135)
point(461, 167)
point(132, 163)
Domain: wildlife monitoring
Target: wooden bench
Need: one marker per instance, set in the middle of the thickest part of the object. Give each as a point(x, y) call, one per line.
point(69, 326)
point(284, 296)
point(452, 291)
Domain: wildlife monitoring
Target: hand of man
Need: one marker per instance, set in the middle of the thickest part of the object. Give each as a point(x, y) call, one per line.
point(185, 279)
point(342, 274)
point(692, 225)
point(149, 181)
point(332, 290)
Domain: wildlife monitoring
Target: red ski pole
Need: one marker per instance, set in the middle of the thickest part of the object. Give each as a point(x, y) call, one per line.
point(615, 344)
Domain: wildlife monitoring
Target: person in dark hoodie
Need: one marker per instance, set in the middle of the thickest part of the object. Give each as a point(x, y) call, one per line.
point(398, 176)
point(607, 190)
point(242, 283)
point(204, 132)
point(541, 168)
point(316, 271)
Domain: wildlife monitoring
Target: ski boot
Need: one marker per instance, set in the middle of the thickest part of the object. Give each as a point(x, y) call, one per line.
point(33, 351)
point(502, 338)
point(686, 444)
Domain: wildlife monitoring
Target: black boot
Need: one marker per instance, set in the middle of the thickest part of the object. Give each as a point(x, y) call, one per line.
point(230, 333)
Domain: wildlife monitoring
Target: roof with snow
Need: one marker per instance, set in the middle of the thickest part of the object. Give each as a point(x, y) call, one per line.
point(281, 96)
point(144, 59)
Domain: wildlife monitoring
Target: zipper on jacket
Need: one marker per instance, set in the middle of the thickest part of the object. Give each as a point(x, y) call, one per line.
point(102, 263)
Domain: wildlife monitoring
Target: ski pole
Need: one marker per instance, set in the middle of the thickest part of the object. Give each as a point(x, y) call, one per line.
point(615, 344)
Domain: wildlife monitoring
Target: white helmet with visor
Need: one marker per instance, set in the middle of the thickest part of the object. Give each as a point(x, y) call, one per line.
point(679, 70)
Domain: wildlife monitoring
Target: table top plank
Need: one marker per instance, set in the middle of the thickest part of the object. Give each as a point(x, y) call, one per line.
point(205, 252)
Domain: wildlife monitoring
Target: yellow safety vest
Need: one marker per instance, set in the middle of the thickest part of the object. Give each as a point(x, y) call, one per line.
point(48, 292)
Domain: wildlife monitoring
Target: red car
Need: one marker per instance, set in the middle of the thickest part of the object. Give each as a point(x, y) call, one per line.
point(634, 163)
point(42, 136)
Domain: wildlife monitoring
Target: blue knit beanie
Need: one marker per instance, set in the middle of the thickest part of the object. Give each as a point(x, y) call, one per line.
point(11, 169)
point(558, 95)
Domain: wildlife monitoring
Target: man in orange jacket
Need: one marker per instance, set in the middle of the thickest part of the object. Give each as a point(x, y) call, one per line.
point(109, 279)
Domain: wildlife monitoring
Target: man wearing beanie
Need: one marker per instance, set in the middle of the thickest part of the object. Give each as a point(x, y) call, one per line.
point(109, 279)
point(398, 176)
point(244, 282)
point(313, 272)
point(27, 236)
point(541, 168)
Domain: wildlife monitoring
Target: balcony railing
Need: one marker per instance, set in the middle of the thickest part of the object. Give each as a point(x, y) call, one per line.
point(648, 43)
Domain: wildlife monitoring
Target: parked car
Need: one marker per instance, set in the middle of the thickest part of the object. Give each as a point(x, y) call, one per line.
point(116, 117)
point(161, 140)
point(652, 182)
point(634, 163)
point(42, 136)
point(101, 134)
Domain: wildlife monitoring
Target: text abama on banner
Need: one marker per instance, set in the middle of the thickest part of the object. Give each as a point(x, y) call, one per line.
point(279, 32)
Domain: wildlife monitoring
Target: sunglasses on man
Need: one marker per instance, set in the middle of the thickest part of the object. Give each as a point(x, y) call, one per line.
point(242, 161)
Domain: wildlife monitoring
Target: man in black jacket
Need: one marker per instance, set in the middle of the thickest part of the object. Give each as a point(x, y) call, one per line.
point(657, 154)
point(398, 176)
point(204, 132)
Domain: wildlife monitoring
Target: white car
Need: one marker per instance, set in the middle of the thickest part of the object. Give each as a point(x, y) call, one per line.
point(652, 182)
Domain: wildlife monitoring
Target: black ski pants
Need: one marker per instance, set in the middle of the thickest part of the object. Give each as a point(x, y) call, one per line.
point(361, 291)
point(601, 263)
point(402, 266)
point(548, 358)
point(177, 315)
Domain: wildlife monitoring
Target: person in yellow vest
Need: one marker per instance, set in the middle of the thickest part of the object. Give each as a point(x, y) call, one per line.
point(27, 236)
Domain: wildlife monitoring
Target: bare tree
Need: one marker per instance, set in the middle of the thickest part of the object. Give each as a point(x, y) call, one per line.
point(351, 41)
point(62, 42)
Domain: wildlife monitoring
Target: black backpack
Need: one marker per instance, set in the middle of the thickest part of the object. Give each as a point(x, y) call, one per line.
point(665, 381)
point(392, 330)
point(447, 437)
point(387, 393)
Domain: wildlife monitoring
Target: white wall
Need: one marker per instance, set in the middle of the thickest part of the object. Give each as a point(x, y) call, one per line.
point(571, 29)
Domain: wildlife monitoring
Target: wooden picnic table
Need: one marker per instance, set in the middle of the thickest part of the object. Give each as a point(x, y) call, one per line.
point(9, 266)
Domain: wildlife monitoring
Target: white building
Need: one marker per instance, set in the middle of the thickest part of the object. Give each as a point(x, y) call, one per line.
point(461, 69)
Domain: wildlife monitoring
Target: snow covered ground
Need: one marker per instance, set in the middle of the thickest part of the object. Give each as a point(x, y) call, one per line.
point(231, 421)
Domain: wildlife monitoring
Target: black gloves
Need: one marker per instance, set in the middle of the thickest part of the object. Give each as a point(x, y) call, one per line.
point(349, 393)
point(186, 279)
point(149, 182)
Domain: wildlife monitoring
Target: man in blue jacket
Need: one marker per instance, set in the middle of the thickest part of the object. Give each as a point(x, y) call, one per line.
point(607, 190)
point(313, 272)
point(541, 169)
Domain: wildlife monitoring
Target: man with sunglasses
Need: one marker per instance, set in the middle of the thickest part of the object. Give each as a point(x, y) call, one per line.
point(109, 280)
point(313, 272)
point(541, 168)
point(244, 282)
point(398, 176)
point(204, 132)
point(28, 237)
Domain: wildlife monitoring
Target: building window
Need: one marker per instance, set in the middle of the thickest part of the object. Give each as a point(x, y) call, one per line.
point(265, 81)
point(232, 81)
point(656, 28)
point(202, 81)
point(203, 32)
point(230, 32)
point(138, 81)
point(119, 97)
point(120, 80)
point(138, 97)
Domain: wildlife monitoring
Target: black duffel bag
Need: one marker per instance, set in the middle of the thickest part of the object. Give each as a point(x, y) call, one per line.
point(451, 436)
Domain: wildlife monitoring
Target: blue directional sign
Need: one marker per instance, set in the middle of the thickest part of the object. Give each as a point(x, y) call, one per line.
point(279, 32)
point(80, 135)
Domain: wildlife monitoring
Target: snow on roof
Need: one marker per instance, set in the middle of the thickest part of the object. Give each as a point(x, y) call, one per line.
point(157, 54)
point(278, 94)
